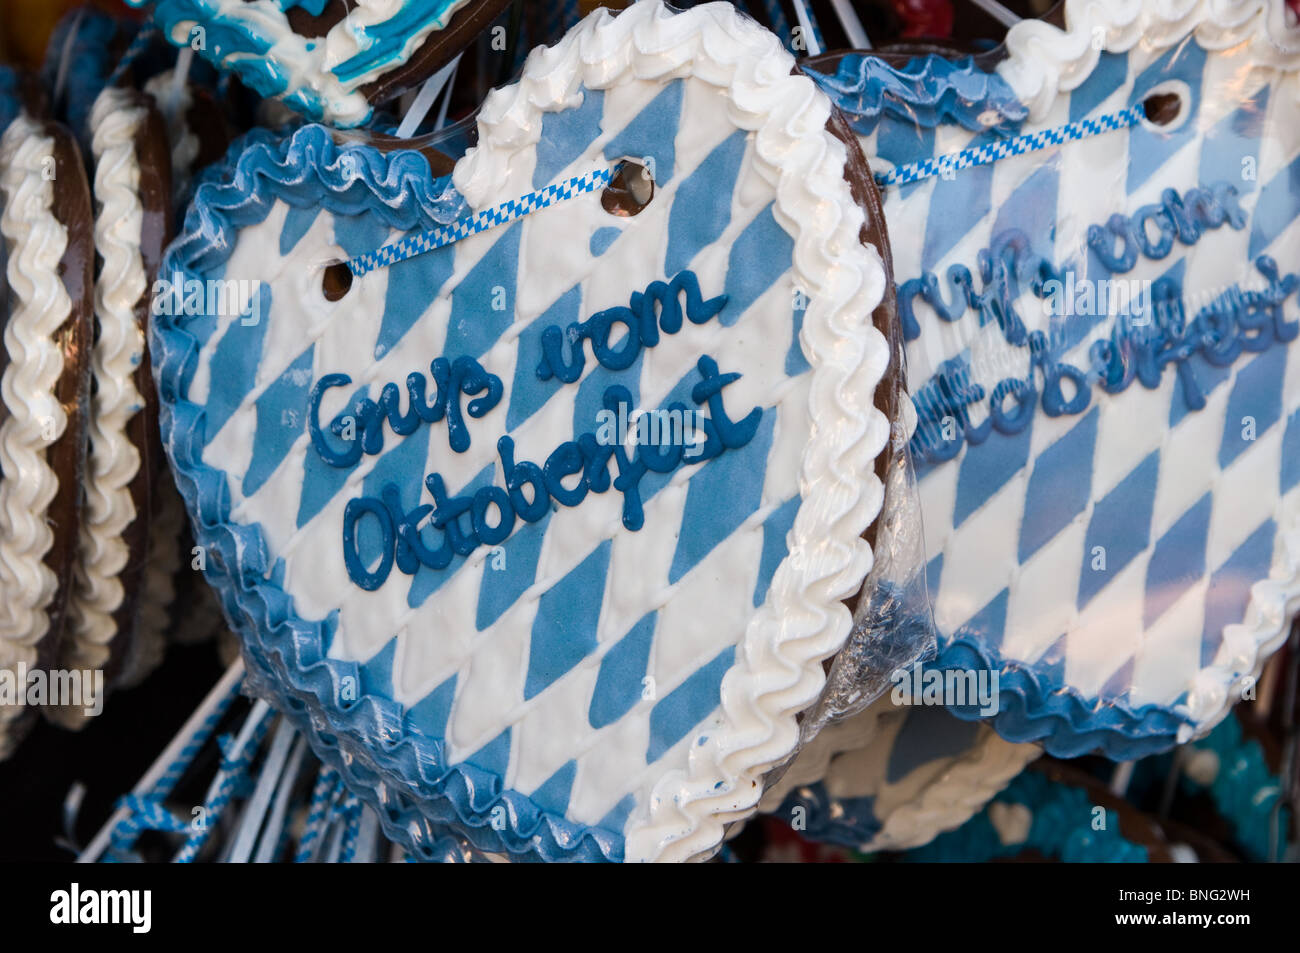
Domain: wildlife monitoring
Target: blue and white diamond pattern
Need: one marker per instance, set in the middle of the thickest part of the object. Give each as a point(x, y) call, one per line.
point(1189, 508)
point(579, 659)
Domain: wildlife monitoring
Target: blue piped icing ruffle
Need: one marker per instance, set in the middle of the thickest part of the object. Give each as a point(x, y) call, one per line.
point(401, 773)
point(928, 91)
point(1033, 708)
point(1061, 828)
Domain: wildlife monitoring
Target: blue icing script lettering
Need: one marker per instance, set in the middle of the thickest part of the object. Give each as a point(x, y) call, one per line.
point(365, 418)
point(1141, 344)
point(657, 308)
point(1139, 347)
point(488, 516)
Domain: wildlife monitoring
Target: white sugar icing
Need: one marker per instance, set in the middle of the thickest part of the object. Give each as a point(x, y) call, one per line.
point(39, 306)
point(308, 63)
point(1043, 60)
point(113, 460)
point(778, 670)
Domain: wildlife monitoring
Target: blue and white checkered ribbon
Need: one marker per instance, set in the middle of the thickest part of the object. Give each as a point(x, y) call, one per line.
point(490, 218)
point(992, 151)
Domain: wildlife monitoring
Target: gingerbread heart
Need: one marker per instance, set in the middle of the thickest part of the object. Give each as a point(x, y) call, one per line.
point(428, 488)
point(328, 59)
point(1095, 244)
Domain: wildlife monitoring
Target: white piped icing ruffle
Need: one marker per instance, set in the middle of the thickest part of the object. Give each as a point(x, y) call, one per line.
point(778, 669)
point(113, 460)
point(39, 306)
point(1043, 59)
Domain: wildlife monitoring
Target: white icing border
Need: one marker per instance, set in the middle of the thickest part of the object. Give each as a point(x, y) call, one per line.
point(778, 671)
point(112, 461)
point(36, 241)
point(311, 68)
point(1044, 60)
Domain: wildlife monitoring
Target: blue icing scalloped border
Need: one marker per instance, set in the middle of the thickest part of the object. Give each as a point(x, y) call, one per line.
point(929, 91)
point(282, 649)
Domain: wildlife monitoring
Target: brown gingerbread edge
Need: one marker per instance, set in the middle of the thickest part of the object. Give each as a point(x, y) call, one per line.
point(154, 157)
point(67, 455)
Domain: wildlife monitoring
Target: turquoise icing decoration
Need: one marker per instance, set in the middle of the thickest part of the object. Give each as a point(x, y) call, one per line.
point(1247, 794)
point(1061, 829)
point(927, 92)
point(242, 44)
point(409, 417)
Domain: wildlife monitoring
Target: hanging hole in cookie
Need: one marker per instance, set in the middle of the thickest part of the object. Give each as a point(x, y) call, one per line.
point(336, 281)
point(631, 190)
point(1165, 106)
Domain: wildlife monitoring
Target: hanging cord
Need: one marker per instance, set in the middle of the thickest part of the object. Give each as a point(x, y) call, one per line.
point(991, 152)
point(168, 767)
point(490, 218)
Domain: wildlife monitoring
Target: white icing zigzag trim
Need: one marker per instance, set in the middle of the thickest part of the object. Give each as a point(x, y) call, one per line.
point(778, 671)
point(40, 306)
point(113, 460)
point(1043, 59)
